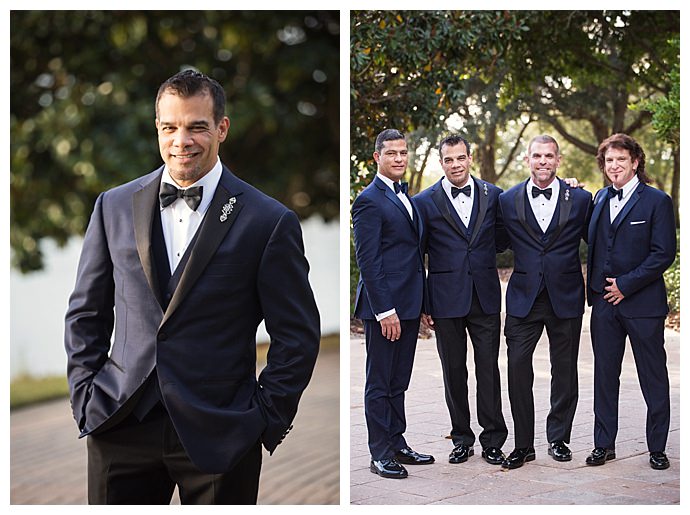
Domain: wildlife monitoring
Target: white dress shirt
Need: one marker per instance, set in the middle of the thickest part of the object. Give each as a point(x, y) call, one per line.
point(542, 207)
point(462, 203)
point(615, 205)
point(179, 222)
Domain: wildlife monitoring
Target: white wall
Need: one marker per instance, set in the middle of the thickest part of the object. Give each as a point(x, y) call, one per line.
point(38, 301)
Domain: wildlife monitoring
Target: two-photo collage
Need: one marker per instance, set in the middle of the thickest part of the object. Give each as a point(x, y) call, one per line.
point(344, 257)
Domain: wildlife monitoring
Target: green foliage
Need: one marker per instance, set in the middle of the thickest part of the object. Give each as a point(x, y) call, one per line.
point(83, 85)
point(666, 109)
point(413, 69)
point(672, 279)
point(26, 390)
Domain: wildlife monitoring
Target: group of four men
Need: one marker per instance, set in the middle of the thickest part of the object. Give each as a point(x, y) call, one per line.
point(459, 224)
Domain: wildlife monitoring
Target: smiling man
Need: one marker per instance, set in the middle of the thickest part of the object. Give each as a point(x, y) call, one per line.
point(388, 232)
point(184, 263)
point(545, 219)
point(632, 241)
point(463, 232)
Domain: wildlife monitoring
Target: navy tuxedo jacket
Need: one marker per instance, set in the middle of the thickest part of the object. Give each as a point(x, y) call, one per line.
point(644, 246)
point(554, 259)
point(242, 270)
point(456, 261)
point(387, 246)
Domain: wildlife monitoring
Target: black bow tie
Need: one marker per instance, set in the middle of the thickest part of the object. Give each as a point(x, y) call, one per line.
point(169, 194)
point(613, 192)
point(536, 192)
point(400, 187)
point(456, 191)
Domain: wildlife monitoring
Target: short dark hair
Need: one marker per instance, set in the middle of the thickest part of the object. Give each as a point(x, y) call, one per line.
point(623, 142)
point(387, 135)
point(188, 83)
point(451, 141)
point(544, 138)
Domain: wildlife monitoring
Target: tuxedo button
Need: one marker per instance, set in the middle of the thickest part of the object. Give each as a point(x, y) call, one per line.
point(162, 337)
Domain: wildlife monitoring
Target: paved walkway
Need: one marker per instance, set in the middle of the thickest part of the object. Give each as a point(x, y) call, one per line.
point(625, 480)
point(48, 462)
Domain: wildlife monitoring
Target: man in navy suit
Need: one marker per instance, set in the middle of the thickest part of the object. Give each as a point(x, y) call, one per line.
point(632, 241)
point(184, 263)
point(545, 219)
point(388, 233)
point(462, 226)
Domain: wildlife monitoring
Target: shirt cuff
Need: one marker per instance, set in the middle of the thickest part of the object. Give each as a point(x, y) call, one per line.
point(381, 316)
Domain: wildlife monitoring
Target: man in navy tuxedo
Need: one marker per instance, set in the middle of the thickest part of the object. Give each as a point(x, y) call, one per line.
point(545, 219)
point(388, 232)
point(463, 229)
point(632, 241)
point(184, 263)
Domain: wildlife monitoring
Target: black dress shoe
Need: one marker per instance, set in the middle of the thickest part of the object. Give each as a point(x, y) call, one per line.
point(388, 468)
point(600, 455)
point(559, 451)
point(658, 460)
point(519, 457)
point(493, 455)
point(460, 453)
point(410, 457)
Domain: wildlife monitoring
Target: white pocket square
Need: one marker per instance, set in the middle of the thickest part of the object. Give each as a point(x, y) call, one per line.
point(639, 222)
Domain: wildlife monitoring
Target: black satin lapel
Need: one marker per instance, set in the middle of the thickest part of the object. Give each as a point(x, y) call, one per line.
point(627, 207)
point(144, 202)
point(439, 198)
point(398, 203)
point(211, 233)
point(566, 204)
point(596, 213)
point(520, 210)
point(481, 194)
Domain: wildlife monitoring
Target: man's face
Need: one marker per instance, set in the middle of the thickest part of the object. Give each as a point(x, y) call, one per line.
point(619, 166)
point(543, 161)
point(456, 163)
point(188, 138)
point(392, 159)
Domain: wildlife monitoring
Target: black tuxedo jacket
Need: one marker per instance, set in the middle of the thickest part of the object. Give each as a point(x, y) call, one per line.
point(643, 246)
point(243, 268)
point(387, 246)
point(551, 257)
point(457, 261)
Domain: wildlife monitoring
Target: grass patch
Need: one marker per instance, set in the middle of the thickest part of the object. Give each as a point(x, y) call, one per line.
point(27, 390)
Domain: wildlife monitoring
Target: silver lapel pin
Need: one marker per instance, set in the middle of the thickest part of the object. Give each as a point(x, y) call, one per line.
point(486, 190)
point(227, 209)
point(567, 195)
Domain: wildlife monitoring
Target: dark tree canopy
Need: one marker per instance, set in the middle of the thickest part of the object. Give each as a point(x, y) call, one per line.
point(506, 75)
point(83, 86)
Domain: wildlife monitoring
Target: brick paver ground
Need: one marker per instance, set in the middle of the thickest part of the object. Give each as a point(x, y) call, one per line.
point(48, 462)
point(626, 480)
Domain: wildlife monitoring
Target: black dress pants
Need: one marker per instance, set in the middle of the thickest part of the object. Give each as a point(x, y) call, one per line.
point(522, 335)
point(140, 462)
point(451, 340)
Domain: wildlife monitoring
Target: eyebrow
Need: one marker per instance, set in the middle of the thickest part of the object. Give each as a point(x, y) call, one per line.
point(195, 123)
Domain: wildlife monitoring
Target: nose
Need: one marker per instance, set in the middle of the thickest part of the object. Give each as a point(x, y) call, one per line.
point(182, 139)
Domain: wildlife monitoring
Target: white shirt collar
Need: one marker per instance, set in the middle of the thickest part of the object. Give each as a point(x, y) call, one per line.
point(629, 186)
point(209, 182)
point(555, 187)
point(388, 182)
point(447, 185)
